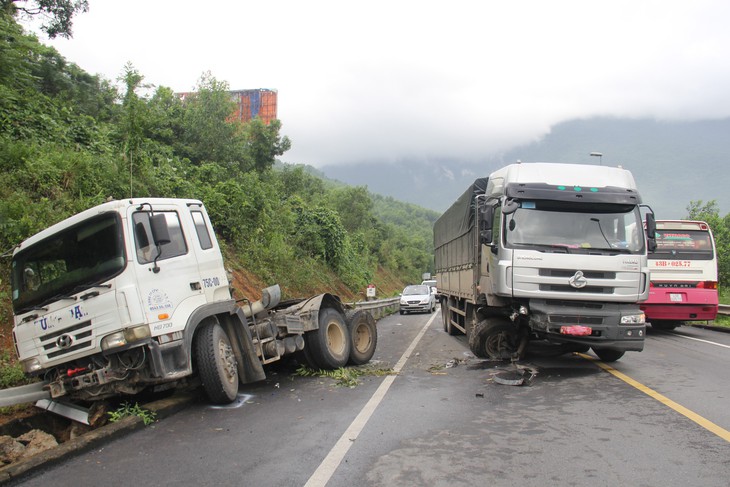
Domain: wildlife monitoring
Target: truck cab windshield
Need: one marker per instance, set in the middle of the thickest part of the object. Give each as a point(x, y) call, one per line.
point(563, 228)
point(74, 259)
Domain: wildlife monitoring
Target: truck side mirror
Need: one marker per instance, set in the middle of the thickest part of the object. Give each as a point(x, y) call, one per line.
point(160, 233)
point(650, 232)
point(487, 236)
point(510, 206)
point(486, 217)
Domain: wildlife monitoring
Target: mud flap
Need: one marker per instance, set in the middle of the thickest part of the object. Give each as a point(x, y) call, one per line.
point(249, 366)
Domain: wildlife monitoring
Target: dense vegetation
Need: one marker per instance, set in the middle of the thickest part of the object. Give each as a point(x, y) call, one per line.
point(70, 140)
point(710, 213)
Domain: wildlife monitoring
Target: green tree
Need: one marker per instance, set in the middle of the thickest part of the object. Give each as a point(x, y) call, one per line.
point(206, 134)
point(710, 212)
point(57, 14)
point(263, 143)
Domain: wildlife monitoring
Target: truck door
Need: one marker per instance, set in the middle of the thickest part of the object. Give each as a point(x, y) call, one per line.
point(214, 280)
point(169, 279)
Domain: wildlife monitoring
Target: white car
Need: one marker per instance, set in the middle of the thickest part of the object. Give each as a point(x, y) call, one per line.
point(417, 297)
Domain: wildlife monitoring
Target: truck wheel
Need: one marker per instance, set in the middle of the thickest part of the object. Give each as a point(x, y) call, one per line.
point(451, 329)
point(217, 364)
point(444, 318)
point(364, 335)
point(608, 355)
point(329, 345)
point(494, 338)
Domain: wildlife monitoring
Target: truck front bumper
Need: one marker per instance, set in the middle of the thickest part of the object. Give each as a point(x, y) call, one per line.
point(555, 320)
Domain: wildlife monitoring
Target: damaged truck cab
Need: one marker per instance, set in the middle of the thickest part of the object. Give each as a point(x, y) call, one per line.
point(134, 294)
point(546, 251)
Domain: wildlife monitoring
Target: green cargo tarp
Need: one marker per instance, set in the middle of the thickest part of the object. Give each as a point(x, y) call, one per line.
point(453, 237)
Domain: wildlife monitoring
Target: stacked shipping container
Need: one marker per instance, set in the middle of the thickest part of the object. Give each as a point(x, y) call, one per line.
point(255, 103)
point(260, 102)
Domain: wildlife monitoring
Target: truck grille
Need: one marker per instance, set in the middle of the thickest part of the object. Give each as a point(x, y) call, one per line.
point(575, 320)
point(568, 274)
point(563, 288)
point(68, 340)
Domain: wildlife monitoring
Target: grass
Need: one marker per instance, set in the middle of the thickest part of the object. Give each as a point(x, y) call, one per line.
point(721, 320)
point(344, 376)
point(126, 409)
point(11, 373)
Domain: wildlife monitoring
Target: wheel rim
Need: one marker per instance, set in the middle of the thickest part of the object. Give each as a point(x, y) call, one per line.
point(500, 345)
point(361, 338)
point(228, 361)
point(335, 338)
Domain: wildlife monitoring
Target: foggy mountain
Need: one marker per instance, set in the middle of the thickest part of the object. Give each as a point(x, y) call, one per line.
point(673, 163)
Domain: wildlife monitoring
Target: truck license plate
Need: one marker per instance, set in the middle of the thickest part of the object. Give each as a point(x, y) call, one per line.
point(576, 330)
point(675, 297)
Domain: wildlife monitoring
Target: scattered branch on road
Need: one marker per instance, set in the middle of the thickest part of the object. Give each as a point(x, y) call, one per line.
point(345, 376)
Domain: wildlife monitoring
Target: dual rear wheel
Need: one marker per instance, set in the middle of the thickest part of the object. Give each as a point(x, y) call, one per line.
point(339, 340)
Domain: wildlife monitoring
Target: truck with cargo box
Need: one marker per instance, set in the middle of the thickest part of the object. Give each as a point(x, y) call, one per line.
point(545, 251)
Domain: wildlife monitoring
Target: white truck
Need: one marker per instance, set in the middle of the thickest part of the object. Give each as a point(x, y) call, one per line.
point(134, 294)
point(545, 251)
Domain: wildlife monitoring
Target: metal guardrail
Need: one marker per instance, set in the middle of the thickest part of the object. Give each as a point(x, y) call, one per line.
point(379, 307)
point(723, 309)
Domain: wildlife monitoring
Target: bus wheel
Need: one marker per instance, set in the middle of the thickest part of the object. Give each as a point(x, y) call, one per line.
point(329, 345)
point(364, 335)
point(217, 364)
point(608, 355)
point(494, 338)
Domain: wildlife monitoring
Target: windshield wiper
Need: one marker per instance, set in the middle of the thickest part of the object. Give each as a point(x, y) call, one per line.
point(555, 247)
point(61, 297)
point(613, 250)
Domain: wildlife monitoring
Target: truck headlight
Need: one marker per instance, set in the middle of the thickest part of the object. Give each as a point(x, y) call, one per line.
point(637, 319)
point(125, 337)
point(31, 365)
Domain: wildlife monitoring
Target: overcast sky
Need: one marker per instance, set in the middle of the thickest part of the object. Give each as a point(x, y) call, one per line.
point(389, 80)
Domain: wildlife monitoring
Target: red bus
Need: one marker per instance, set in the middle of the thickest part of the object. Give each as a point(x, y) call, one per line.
point(683, 275)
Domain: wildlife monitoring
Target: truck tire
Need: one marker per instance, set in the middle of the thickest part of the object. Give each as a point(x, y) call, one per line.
point(608, 355)
point(364, 336)
point(217, 364)
point(329, 345)
point(494, 338)
point(446, 316)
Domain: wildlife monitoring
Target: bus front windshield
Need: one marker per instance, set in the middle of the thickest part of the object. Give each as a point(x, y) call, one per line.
point(567, 228)
point(67, 262)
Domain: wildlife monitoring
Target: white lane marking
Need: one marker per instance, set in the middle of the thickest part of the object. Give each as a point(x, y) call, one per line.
point(701, 340)
point(324, 472)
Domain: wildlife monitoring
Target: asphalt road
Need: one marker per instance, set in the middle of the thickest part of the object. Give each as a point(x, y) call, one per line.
point(658, 417)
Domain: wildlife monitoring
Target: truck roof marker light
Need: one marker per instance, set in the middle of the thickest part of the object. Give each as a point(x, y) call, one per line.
point(594, 190)
point(561, 188)
point(577, 188)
